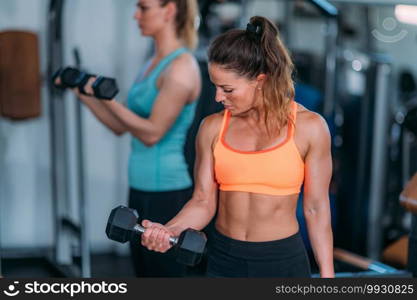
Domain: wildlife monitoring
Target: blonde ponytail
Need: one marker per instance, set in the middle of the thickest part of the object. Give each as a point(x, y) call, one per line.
point(186, 21)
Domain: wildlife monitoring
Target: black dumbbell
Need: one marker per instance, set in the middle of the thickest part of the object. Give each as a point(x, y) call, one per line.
point(122, 226)
point(103, 87)
point(69, 78)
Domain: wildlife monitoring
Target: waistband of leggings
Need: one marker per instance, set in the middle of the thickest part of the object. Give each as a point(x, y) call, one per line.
point(162, 193)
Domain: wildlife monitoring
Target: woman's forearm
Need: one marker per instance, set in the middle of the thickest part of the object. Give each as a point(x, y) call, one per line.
point(141, 128)
point(196, 214)
point(321, 239)
point(103, 114)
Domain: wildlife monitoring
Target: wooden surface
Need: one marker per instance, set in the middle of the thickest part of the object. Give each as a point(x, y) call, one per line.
point(19, 75)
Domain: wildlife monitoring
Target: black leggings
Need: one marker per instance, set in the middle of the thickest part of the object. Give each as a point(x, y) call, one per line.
point(157, 207)
point(227, 257)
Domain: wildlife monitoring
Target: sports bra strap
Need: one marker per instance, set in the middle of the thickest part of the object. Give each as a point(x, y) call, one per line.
point(226, 117)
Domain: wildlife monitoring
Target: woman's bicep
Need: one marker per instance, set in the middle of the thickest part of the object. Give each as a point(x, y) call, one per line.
point(204, 176)
point(318, 166)
point(168, 106)
point(175, 92)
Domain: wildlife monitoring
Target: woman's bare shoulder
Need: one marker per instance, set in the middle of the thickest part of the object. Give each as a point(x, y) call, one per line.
point(213, 122)
point(184, 62)
point(310, 122)
point(307, 117)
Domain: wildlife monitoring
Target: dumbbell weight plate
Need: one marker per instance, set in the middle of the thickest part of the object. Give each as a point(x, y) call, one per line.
point(105, 88)
point(69, 77)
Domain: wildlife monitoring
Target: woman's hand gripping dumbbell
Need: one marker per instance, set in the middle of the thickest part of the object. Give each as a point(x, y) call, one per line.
point(123, 225)
point(98, 86)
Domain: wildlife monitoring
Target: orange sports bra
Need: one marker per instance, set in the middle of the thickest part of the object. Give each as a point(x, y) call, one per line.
point(275, 171)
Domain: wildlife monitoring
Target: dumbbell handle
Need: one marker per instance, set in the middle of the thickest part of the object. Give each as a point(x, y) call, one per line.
point(141, 229)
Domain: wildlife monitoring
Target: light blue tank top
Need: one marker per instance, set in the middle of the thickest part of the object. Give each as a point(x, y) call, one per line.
point(161, 167)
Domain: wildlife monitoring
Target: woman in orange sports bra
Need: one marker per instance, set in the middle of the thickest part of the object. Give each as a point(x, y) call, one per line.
point(252, 159)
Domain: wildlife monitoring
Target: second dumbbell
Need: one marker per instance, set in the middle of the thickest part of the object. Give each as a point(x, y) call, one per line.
point(103, 87)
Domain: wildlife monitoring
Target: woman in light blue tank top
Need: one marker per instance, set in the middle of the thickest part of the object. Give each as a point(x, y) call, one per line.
point(160, 109)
